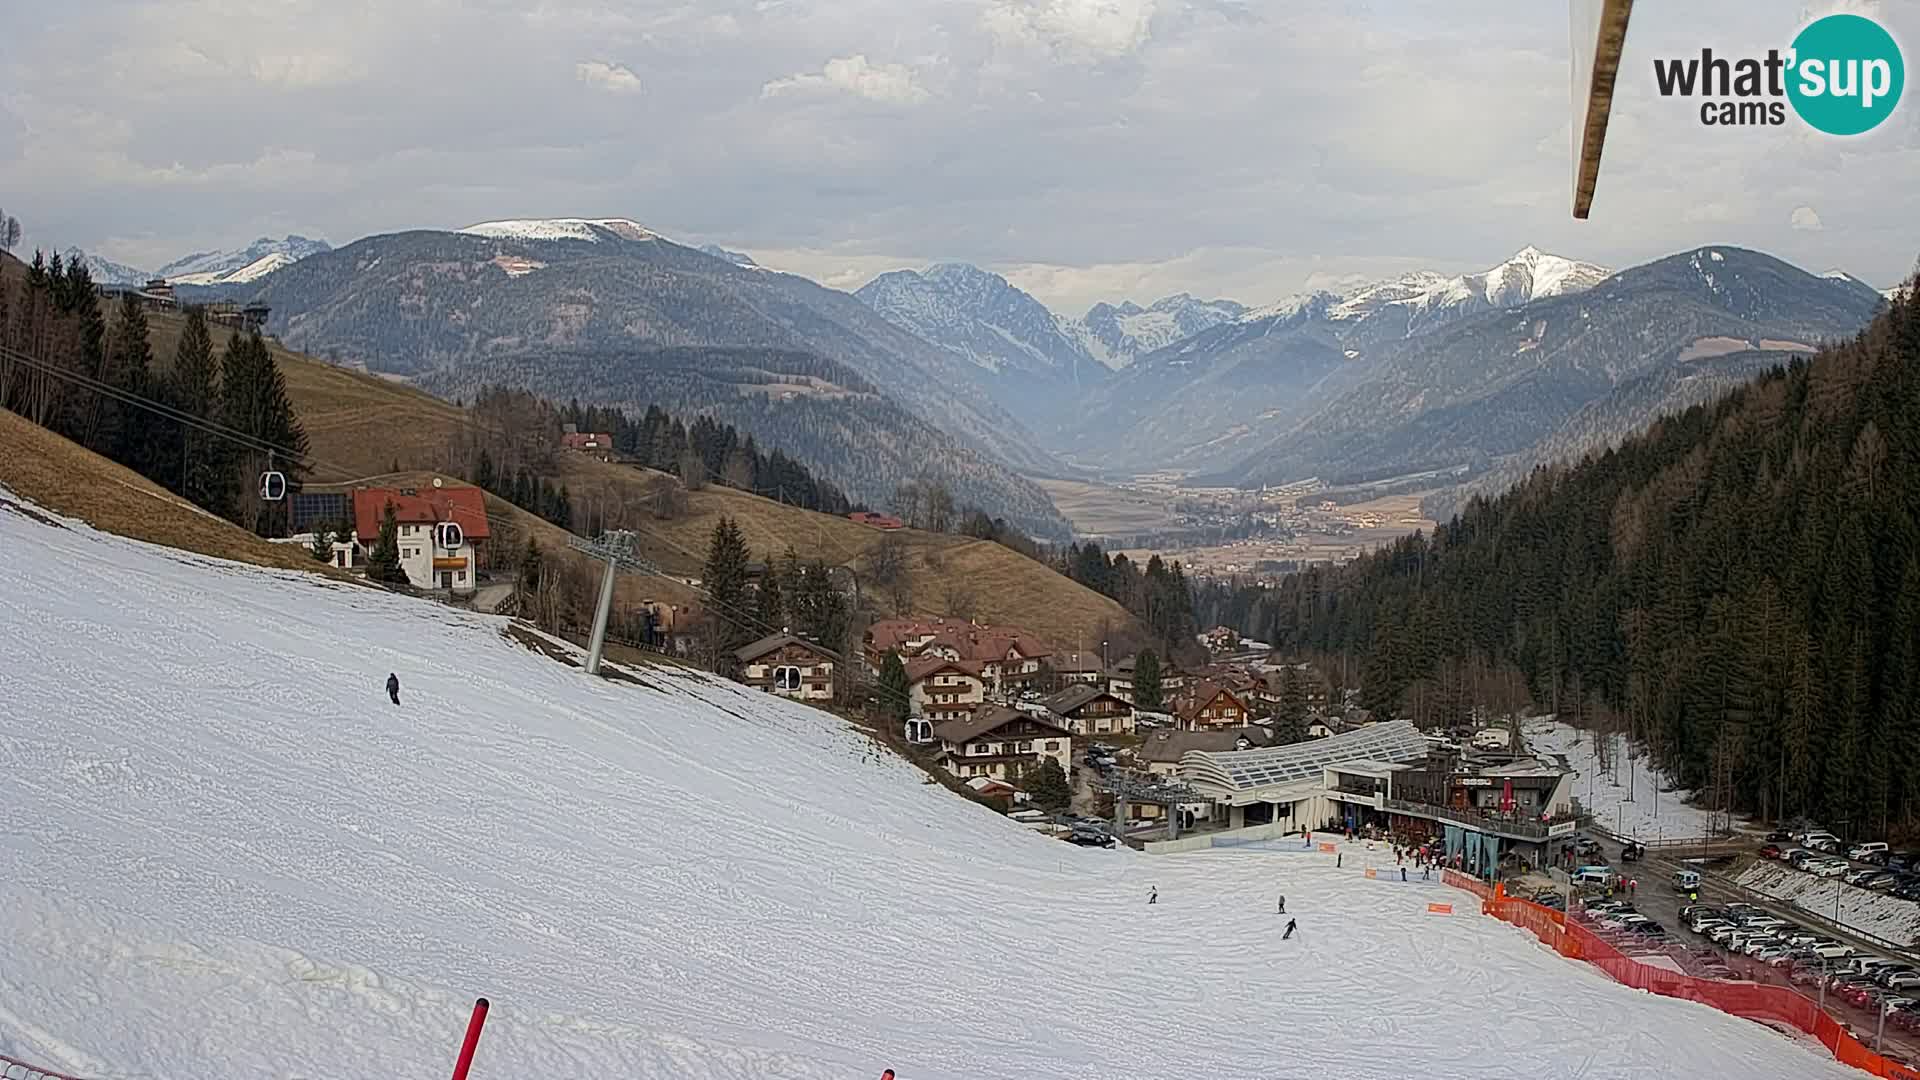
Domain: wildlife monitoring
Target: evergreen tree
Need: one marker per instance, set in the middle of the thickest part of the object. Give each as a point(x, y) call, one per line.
point(124, 431)
point(254, 401)
point(322, 545)
point(1146, 682)
point(770, 605)
point(206, 473)
point(383, 562)
point(895, 702)
point(526, 581)
point(1046, 785)
point(725, 582)
point(1290, 725)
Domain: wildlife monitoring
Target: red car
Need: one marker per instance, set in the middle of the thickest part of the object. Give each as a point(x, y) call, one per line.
point(1771, 851)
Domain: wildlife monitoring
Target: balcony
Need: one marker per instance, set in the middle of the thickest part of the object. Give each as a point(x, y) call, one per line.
point(1518, 825)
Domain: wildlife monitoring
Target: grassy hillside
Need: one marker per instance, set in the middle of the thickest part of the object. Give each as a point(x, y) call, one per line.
point(360, 426)
point(63, 476)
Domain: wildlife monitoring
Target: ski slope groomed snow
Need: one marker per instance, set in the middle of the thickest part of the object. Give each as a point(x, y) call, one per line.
point(223, 853)
point(1623, 803)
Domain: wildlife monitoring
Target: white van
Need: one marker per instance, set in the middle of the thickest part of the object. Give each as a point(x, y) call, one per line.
point(1491, 739)
point(1686, 881)
point(1600, 877)
point(1861, 851)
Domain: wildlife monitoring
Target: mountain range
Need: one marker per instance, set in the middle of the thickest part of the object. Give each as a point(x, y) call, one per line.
point(234, 266)
point(562, 305)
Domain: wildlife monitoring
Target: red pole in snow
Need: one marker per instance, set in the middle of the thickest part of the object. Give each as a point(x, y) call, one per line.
point(473, 1039)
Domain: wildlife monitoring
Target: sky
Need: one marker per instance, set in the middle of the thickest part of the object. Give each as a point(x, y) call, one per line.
point(1089, 150)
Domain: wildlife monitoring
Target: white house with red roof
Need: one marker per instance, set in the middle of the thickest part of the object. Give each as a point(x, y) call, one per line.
point(442, 531)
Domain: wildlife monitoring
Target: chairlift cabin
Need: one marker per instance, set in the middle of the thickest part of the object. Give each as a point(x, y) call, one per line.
point(273, 486)
point(448, 535)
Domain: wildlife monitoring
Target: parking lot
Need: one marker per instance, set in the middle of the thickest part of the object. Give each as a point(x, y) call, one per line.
point(1850, 997)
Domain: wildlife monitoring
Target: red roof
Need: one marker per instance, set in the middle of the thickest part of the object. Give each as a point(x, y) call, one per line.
point(880, 521)
point(921, 667)
point(586, 440)
point(465, 506)
point(970, 642)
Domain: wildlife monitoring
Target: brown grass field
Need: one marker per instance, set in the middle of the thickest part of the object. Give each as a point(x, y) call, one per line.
point(62, 476)
point(1103, 510)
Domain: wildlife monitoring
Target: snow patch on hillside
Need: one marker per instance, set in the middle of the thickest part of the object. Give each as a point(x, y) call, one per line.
point(1862, 909)
point(1605, 794)
point(226, 854)
point(592, 230)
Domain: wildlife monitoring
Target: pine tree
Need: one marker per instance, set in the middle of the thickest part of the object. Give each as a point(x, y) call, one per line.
point(1046, 785)
point(895, 702)
point(383, 562)
point(1146, 681)
point(770, 605)
point(254, 401)
point(127, 432)
point(725, 582)
point(526, 582)
point(1291, 723)
point(205, 475)
point(322, 544)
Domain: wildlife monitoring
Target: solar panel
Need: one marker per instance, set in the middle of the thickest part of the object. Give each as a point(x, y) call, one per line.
point(1398, 742)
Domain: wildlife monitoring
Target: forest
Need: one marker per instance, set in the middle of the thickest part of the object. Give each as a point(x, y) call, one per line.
point(204, 424)
point(1738, 587)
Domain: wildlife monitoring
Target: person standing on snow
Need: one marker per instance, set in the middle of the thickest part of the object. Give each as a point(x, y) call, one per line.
point(1289, 933)
point(1153, 894)
point(1283, 905)
point(393, 687)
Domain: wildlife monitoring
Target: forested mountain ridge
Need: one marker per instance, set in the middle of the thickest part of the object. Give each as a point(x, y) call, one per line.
point(1739, 585)
point(818, 412)
point(412, 302)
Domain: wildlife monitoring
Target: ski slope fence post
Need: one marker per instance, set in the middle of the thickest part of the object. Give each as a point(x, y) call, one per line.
point(1763, 1003)
point(479, 1019)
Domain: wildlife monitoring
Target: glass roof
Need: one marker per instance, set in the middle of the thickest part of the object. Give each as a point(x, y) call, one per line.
point(1397, 742)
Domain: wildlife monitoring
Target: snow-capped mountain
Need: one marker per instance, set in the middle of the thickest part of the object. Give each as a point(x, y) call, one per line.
point(107, 272)
point(241, 265)
point(978, 315)
point(592, 230)
point(1116, 335)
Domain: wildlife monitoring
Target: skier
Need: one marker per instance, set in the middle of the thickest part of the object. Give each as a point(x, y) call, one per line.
point(1403, 873)
point(1283, 905)
point(393, 687)
point(1153, 894)
point(888, 1075)
point(1289, 933)
point(1337, 856)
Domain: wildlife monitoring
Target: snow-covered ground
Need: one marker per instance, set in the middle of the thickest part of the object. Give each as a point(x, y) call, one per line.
point(224, 853)
point(1605, 794)
point(1862, 909)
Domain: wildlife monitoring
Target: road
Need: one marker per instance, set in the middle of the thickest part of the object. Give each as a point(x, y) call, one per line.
point(1657, 900)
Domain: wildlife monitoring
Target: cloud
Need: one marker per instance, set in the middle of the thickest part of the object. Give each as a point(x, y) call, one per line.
point(1073, 29)
point(613, 78)
point(889, 84)
point(1805, 219)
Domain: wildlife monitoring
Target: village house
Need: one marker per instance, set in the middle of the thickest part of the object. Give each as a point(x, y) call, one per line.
point(442, 533)
point(1001, 744)
point(884, 522)
point(1208, 706)
point(788, 666)
point(1160, 755)
point(1079, 668)
point(598, 444)
point(1007, 659)
point(1089, 710)
point(939, 689)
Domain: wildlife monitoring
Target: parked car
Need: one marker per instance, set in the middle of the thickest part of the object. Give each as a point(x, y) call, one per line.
point(1831, 868)
point(1774, 956)
point(1779, 836)
point(1587, 846)
point(1087, 835)
point(1859, 877)
point(1862, 850)
point(1831, 950)
point(1771, 851)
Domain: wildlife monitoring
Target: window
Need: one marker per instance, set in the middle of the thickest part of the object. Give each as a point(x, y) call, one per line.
point(1053, 745)
point(1026, 747)
point(978, 748)
point(786, 677)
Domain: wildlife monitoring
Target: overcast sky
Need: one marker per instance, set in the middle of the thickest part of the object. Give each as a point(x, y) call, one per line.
point(1089, 149)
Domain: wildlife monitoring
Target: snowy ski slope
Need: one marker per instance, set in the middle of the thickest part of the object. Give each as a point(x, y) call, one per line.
point(224, 853)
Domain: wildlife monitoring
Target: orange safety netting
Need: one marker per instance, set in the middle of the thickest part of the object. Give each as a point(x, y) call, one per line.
point(1776, 1005)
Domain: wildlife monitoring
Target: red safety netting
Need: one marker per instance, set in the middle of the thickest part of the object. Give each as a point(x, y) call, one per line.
point(1774, 1005)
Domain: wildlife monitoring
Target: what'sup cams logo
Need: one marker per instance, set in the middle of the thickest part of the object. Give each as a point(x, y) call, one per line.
point(1843, 76)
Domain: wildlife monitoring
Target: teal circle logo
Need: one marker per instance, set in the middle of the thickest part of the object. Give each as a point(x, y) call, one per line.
point(1847, 74)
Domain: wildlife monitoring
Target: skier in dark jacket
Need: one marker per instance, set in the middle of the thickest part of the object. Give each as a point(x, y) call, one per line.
point(1289, 933)
point(393, 687)
point(1283, 905)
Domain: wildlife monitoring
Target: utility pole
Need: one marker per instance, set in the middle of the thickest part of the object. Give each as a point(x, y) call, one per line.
point(616, 550)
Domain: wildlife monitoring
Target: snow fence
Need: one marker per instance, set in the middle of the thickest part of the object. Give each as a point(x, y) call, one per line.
point(20, 1070)
point(1774, 1005)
